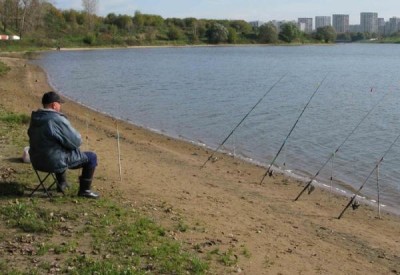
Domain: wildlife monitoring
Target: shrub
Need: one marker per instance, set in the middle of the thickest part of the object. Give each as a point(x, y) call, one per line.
point(89, 39)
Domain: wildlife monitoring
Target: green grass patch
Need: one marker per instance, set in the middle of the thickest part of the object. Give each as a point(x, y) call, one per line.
point(246, 253)
point(13, 127)
point(3, 69)
point(13, 118)
point(227, 258)
point(134, 240)
point(29, 217)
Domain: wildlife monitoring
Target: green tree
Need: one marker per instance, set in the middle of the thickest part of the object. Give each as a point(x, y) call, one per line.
point(191, 29)
point(124, 22)
point(30, 15)
point(343, 37)
point(151, 34)
point(72, 18)
point(138, 19)
point(289, 32)
point(357, 36)
point(153, 20)
point(268, 33)
point(7, 11)
point(175, 22)
point(241, 26)
point(113, 30)
point(201, 29)
point(21, 16)
point(326, 34)
point(217, 33)
point(54, 22)
point(367, 35)
point(190, 22)
point(174, 33)
point(110, 19)
point(90, 7)
point(232, 35)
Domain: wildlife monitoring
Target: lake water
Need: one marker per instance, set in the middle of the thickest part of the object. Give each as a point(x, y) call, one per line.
point(201, 93)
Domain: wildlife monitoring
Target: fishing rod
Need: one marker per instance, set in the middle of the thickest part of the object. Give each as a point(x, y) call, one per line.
point(234, 129)
point(309, 183)
point(87, 131)
point(377, 189)
point(119, 152)
point(365, 181)
point(269, 172)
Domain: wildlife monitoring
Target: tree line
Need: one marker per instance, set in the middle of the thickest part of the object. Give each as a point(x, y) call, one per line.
point(41, 24)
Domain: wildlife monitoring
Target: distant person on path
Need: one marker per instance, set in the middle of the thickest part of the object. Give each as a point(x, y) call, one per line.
point(54, 146)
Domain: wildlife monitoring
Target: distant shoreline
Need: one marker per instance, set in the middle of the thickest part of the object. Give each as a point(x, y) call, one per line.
point(186, 46)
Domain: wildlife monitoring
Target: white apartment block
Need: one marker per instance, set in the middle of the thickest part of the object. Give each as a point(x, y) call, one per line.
point(340, 22)
point(394, 25)
point(305, 24)
point(369, 22)
point(322, 21)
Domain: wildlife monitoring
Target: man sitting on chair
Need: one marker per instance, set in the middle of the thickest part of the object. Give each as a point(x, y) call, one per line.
point(54, 146)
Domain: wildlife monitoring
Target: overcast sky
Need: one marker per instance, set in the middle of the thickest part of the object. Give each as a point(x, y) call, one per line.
point(249, 10)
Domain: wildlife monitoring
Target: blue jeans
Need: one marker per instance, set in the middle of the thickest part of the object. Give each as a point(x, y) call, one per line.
point(89, 166)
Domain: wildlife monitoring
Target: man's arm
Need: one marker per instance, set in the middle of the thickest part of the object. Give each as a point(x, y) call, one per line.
point(67, 135)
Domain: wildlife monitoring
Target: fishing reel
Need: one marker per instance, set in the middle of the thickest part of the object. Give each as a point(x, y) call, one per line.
point(311, 189)
point(355, 205)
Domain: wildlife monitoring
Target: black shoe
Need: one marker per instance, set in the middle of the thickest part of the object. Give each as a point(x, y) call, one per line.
point(88, 194)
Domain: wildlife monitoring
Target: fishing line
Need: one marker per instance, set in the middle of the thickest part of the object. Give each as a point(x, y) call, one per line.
point(269, 172)
point(243, 119)
point(365, 181)
point(309, 183)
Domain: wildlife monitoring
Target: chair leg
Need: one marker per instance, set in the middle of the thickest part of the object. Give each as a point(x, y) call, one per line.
point(41, 184)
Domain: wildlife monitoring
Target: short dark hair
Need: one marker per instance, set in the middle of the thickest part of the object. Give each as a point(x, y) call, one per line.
point(51, 97)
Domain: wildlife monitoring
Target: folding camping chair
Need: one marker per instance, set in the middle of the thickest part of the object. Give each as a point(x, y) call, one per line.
point(42, 177)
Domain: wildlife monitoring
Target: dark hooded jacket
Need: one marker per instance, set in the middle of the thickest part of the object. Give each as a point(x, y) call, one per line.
point(54, 143)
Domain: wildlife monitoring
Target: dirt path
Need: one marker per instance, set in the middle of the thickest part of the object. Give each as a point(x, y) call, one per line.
point(222, 205)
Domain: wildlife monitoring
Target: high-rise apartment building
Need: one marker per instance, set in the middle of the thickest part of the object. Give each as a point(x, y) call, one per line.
point(381, 26)
point(340, 22)
point(394, 25)
point(322, 21)
point(305, 24)
point(369, 22)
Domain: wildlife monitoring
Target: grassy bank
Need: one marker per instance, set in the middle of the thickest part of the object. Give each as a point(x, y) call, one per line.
point(68, 234)
point(3, 68)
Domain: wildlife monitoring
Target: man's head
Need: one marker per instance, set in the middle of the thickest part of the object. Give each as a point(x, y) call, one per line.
point(52, 100)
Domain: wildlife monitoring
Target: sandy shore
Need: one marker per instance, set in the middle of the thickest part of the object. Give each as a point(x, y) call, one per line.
point(223, 204)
